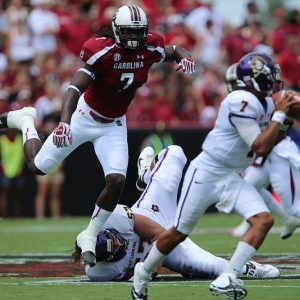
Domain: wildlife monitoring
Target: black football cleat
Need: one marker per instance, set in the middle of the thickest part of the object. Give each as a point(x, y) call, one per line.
point(89, 258)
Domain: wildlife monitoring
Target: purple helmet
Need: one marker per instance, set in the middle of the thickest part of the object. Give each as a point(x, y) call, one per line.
point(110, 246)
point(258, 70)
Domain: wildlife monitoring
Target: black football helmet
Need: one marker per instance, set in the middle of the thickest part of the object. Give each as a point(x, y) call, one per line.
point(259, 70)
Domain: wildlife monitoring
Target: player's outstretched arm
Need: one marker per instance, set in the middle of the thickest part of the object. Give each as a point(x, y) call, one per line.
point(147, 228)
point(182, 57)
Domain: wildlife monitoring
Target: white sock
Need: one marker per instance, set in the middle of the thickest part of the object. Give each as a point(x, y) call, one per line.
point(29, 133)
point(243, 253)
point(99, 217)
point(154, 257)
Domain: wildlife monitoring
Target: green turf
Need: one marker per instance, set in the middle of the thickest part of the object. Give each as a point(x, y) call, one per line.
point(60, 289)
point(26, 236)
point(56, 237)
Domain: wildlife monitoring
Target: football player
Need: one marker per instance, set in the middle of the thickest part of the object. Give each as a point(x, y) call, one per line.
point(280, 169)
point(126, 237)
point(116, 64)
point(243, 128)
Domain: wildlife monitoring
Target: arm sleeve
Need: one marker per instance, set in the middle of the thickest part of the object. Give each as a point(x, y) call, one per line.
point(247, 128)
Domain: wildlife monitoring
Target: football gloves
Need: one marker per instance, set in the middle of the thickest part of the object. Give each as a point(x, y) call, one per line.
point(62, 135)
point(187, 65)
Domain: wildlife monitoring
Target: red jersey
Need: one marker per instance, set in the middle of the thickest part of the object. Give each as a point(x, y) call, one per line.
point(120, 72)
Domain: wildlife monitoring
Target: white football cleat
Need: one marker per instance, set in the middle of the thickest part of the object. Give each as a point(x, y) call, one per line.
point(139, 290)
point(88, 247)
point(261, 271)
point(225, 286)
point(290, 226)
point(143, 164)
point(16, 118)
point(240, 229)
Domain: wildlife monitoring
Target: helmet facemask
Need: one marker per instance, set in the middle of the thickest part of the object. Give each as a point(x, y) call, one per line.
point(110, 246)
point(131, 37)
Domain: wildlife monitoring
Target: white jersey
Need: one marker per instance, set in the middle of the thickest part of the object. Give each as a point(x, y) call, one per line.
point(281, 169)
point(122, 220)
point(224, 148)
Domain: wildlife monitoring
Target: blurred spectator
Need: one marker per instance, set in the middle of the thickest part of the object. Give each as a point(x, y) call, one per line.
point(294, 21)
point(11, 172)
point(191, 106)
point(162, 105)
point(22, 81)
point(209, 114)
point(159, 139)
point(280, 31)
point(234, 45)
point(197, 19)
point(207, 48)
point(177, 33)
point(46, 103)
point(4, 103)
point(49, 186)
point(289, 61)
point(44, 26)
point(252, 15)
point(263, 42)
point(4, 26)
point(18, 42)
point(16, 12)
point(75, 30)
point(23, 99)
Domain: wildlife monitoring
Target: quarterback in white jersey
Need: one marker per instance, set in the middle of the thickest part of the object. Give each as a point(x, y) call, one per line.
point(247, 123)
point(280, 169)
point(158, 202)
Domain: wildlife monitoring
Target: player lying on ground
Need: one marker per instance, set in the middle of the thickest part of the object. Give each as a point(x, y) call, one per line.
point(126, 237)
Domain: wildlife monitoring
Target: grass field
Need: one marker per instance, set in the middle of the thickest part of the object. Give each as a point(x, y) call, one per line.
point(32, 254)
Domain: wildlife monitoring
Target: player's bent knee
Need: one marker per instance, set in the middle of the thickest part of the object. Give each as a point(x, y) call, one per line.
point(115, 180)
point(176, 151)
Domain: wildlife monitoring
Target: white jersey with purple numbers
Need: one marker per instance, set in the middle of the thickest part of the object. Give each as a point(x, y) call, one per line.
point(223, 148)
point(122, 220)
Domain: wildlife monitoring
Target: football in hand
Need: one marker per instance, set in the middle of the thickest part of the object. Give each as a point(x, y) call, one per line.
point(294, 110)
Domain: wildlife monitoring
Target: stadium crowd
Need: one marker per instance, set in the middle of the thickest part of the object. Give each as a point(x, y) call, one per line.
point(40, 43)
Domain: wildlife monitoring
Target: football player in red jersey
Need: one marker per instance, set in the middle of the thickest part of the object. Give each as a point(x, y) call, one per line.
point(116, 63)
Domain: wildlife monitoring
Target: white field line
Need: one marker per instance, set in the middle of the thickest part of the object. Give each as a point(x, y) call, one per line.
point(76, 228)
point(169, 283)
